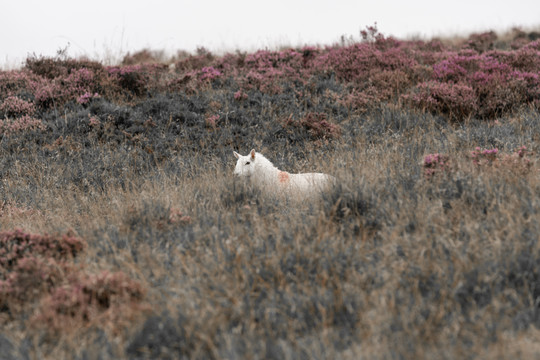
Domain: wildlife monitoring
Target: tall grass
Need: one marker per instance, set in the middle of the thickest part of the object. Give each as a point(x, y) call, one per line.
point(390, 264)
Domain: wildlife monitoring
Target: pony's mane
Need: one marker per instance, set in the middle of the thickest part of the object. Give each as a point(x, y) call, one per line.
point(261, 157)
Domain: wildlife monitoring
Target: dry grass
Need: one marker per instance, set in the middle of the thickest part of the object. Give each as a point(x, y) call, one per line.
point(392, 264)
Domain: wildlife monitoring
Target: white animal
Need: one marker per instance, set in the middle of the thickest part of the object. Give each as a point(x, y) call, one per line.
point(261, 172)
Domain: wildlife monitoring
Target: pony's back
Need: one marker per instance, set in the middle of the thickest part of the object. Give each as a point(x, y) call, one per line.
point(310, 182)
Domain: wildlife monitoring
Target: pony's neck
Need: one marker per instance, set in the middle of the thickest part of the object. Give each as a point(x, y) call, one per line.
point(265, 168)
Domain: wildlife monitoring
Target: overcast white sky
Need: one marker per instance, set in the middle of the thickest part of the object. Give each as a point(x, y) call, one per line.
point(107, 29)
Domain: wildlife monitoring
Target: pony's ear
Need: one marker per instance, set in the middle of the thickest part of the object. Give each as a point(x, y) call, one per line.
point(252, 154)
point(236, 154)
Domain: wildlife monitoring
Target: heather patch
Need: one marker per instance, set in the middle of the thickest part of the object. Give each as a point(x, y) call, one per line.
point(519, 162)
point(33, 265)
point(436, 163)
point(20, 124)
point(134, 80)
point(316, 125)
point(43, 269)
point(106, 298)
point(472, 78)
point(458, 101)
point(13, 106)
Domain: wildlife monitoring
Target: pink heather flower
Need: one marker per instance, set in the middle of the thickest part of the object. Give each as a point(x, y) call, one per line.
point(14, 106)
point(26, 122)
point(522, 75)
point(487, 156)
point(94, 121)
point(123, 70)
point(84, 98)
point(81, 76)
point(212, 120)
point(491, 152)
point(209, 73)
point(240, 95)
point(429, 159)
point(517, 162)
point(434, 163)
point(435, 160)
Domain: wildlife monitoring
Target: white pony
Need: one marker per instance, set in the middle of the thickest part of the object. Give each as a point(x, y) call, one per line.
point(261, 172)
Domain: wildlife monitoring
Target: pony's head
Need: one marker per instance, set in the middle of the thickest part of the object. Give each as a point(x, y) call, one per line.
point(245, 166)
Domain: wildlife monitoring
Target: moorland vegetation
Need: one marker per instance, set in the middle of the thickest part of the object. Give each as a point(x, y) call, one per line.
point(123, 233)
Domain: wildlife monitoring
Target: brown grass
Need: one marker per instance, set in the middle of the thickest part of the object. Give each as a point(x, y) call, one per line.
point(393, 264)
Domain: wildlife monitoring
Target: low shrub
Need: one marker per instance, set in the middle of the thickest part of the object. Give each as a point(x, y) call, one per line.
point(481, 42)
point(56, 67)
point(133, 78)
point(86, 298)
point(317, 126)
point(458, 101)
point(484, 157)
point(16, 82)
point(41, 268)
point(14, 106)
point(16, 244)
point(20, 124)
point(32, 264)
point(518, 162)
point(144, 56)
point(436, 163)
